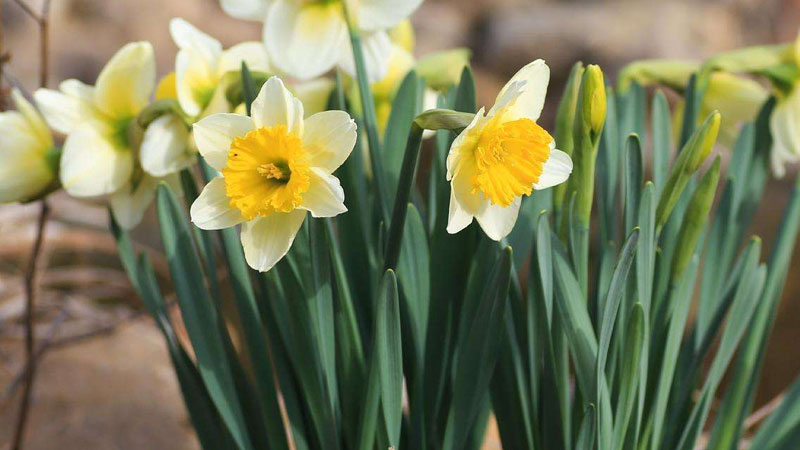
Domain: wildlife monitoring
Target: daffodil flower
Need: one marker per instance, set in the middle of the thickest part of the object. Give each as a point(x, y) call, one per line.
point(104, 139)
point(784, 125)
point(504, 155)
point(28, 157)
point(306, 38)
point(274, 167)
point(201, 63)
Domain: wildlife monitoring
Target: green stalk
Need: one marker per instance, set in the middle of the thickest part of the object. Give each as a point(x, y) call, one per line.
point(370, 121)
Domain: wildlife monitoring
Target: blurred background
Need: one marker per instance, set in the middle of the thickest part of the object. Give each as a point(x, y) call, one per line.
point(104, 378)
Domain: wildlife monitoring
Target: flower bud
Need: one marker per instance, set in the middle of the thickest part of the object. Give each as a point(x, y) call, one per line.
point(594, 99)
point(704, 141)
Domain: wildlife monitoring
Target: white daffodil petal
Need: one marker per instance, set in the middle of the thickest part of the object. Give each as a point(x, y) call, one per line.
point(253, 53)
point(464, 143)
point(164, 148)
point(275, 105)
point(214, 135)
point(314, 94)
point(92, 165)
point(246, 9)
point(498, 221)
point(78, 89)
point(195, 82)
point(377, 49)
point(125, 84)
point(305, 40)
point(325, 196)
point(24, 171)
point(529, 103)
point(464, 204)
point(188, 37)
point(382, 14)
point(63, 112)
point(267, 239)
point(555, 170)
point(212, 209)
point(130, 203)
point(32, 116)
point(785, 130)
point(329, 138)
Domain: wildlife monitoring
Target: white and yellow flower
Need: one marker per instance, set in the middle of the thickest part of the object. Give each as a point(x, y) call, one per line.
point(104, 141)
point(306, 38)
point(201, 63)
point(28, 157)
point(504, 155)
point(274, 167)
point(784, 125)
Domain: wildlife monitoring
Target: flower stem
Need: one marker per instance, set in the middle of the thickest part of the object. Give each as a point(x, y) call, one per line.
point(370, 121)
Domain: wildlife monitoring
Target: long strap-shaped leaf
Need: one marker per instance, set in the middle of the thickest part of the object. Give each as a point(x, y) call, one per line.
point(477, 354)
point(199, 315)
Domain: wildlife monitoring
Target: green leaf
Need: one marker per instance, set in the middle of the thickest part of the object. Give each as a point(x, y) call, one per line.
point(586, 434)
point(781, 430)
point(199, 315)
point(400, 209)
point(478, 349)
point(680, 300)
point(388, 349)
point(740, 395)
point(405, 107)
point(741, 312)
point(630, 373)
point(254, 337)
point(351, 366)
point(248, 87)
point(662, 139)
point(613, 299)
point(571, 309)
point(634, 175)
point(370, 124)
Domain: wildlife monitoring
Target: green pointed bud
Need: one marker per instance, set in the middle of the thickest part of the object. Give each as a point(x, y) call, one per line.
point(594, 99)
point(443, 69)
point(690, 158)
point(673, 73)
point(565, 121)
point(443, 119)
point(695, 220)
point(705, 139)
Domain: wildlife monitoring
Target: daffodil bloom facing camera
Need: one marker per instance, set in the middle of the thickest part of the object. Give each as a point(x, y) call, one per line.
point(28, 156)
point(306, 38)
point(275, 166)
point(503, 155)
point(201, 63)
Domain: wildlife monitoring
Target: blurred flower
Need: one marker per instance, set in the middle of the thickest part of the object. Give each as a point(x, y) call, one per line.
point(503, 155)
point(736, 97)
point(28, 156)
point(201, 63)
point(784, 125)
point(275, 166)
point(103, 135)
point(439, 70)
point(305, 38)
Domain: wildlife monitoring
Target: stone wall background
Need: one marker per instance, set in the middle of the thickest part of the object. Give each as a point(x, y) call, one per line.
point(114, 388)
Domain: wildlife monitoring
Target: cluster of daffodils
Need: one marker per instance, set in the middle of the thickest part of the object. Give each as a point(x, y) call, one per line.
point(275, 161)
point(728, 86)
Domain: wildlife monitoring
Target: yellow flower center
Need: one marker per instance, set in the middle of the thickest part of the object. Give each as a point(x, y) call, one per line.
point(509, 158)
point(267, 171)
